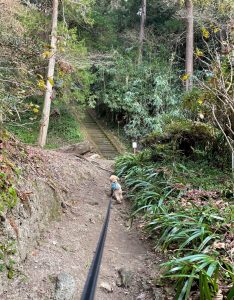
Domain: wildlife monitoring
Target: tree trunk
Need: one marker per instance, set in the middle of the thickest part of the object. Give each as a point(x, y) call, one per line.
point(189, 45)
point(142, 30)
point(50, 75)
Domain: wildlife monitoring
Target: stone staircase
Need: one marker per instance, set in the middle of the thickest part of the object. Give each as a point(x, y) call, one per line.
point(98, 136)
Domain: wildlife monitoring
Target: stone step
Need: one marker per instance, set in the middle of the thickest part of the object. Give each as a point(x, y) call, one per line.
point(99, 138)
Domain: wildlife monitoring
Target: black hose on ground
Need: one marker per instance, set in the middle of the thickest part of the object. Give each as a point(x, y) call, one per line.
point(91, 281)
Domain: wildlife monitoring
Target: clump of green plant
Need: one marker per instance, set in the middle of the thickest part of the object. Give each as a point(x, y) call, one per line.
point(8, 200)
point(196, 140)
point(8, 194)
point(8, 173)
point(7, 250)
point(187, 208)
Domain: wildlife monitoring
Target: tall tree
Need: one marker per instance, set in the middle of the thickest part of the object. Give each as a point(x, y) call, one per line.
point(142, 30)
point(50, 75)
point(189, 44)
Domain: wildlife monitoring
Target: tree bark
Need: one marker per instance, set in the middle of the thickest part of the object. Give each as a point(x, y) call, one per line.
point(189, 44)
point(142, 30)
point(50, 75)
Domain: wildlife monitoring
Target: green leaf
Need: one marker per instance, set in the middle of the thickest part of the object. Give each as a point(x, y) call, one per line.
point(206, 241)
point(230, 295)
point(212, 268)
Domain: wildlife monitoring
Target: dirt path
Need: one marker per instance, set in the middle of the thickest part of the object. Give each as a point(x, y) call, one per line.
point(69, 243)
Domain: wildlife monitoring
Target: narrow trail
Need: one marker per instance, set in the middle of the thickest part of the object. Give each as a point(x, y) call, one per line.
point(69, 243)
point(103, 142)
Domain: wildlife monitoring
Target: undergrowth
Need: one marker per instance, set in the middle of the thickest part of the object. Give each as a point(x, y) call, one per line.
point(188, 210)
point(8, 200)
point(63, 129)
point(7, 251)
point(8, 175)
point(194, 140)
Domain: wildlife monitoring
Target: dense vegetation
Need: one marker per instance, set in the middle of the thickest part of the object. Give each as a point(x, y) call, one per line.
point(186, 204)
point(162, 71)
point(98, 62)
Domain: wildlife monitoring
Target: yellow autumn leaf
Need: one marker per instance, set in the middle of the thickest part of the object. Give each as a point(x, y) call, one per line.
point(185, 77)
point(214, 28)
point(35, 110)
point(199, 53)
point(41, 84)
point(200, 101)
point(61, 73)
point(51, 81)
point(205, 33)
point(47, 54)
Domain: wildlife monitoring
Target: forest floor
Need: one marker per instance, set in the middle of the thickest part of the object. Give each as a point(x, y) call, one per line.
point(69, 243)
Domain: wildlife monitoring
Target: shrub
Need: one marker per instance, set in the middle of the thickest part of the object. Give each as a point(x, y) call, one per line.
point(196, 140)
point(187, 210)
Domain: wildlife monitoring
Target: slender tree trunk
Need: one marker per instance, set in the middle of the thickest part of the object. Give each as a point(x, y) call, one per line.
point(189, 44)
point(50, 75)
point(142, 30)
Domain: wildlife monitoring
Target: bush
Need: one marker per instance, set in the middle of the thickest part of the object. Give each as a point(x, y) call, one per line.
point(187, 210)
point(195, 140)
